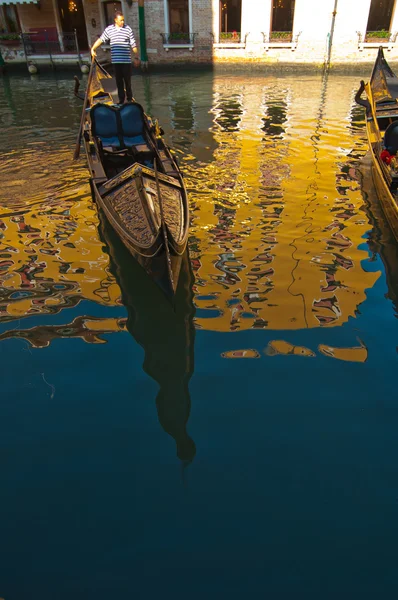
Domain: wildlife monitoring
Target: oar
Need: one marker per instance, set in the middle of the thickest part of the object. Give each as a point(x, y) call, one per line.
point(79, 137)
point(166, 243)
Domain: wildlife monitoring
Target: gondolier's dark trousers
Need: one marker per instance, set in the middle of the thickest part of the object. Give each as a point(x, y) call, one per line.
point(123, 81)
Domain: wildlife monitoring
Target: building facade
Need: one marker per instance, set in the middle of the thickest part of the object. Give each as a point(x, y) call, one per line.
point(273, 32)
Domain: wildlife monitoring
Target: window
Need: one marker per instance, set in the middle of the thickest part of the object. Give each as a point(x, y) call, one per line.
point(9, 22)
point(178, 16)
point(178, 23)
point(380, 14)
point(230, 19)
point(282, 15)
point(109, 11)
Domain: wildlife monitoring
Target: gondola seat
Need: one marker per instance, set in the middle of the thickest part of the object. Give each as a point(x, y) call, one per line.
point(132, 125)
point(120, 129)
point(133, 131)
point(391, 138)
point(105, 126)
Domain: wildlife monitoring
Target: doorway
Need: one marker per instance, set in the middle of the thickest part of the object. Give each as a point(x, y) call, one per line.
point(72, 17)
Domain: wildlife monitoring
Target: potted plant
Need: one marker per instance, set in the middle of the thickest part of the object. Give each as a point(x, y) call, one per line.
point(10, 39)
point(281, 36)
point(230, 36)
point(179, 37)
point(377, 36)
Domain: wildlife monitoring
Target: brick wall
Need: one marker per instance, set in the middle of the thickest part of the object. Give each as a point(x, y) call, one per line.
point(312, 24)
point(155, 25)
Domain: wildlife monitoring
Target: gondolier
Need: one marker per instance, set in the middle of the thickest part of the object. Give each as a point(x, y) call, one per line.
point(122, 41)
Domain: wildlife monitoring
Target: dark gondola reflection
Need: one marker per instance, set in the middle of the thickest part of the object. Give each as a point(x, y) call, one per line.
point(165, 332)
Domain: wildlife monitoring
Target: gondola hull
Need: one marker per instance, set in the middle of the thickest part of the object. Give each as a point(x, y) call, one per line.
point(132, 208)
point(387, 199)
point(136, 182)
point(381, 114)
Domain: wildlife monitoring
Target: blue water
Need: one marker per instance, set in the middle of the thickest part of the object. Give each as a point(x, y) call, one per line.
point(286, 482)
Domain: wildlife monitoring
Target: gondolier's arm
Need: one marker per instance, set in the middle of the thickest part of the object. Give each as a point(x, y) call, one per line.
point(94, 47)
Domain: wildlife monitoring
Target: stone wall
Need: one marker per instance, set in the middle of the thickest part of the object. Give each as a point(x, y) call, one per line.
point(92, 12)
point(314, 26)
point(202, 21)
point(312, 29)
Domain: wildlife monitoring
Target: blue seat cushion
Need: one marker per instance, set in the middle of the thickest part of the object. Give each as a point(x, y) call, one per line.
point(132, 119)
point(119, 127)
point(133, 141)
point(112, 141)
point(104, 123)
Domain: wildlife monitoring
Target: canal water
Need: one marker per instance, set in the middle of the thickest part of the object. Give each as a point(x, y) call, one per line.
point(245, 444)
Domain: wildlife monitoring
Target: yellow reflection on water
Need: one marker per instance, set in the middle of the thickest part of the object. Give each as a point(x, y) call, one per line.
point(51, 256)
point(277, 230)
point(277, 237)
point(355, 354)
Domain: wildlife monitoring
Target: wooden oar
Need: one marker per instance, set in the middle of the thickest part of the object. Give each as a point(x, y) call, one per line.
point(166, 243)
point(79, 137)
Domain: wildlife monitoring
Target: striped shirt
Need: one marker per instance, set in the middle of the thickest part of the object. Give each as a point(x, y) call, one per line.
point(121, 40)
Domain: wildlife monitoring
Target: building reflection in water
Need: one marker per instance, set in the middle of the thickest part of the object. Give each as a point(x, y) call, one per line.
point(51, 258)
point(278, 225)
point(90, 329)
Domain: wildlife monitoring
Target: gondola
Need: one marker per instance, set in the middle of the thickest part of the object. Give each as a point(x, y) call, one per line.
point(381, 239)
point(382, 131)
point(135, 180)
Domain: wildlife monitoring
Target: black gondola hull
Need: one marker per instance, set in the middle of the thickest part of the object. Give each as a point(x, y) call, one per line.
point(382, 111)
point(139, 186)
point(161, 259)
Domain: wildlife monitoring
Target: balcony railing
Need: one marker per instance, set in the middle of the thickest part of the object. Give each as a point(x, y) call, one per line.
point(230, 38)
point(374, 39)
point(280, 39)
point(234, 37)
point(49, 43)
point(178, 39)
